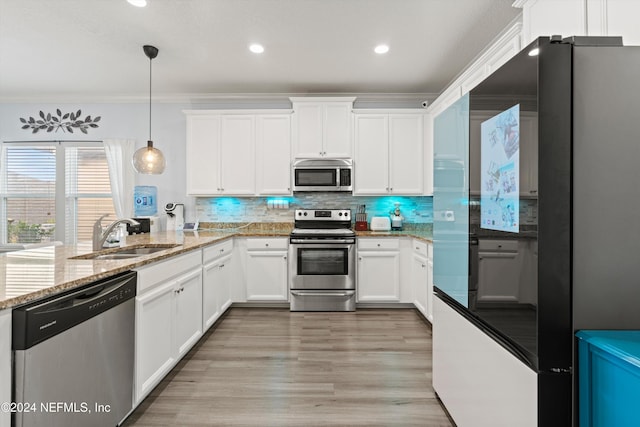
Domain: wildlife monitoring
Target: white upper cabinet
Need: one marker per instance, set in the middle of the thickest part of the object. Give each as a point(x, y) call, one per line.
point(273, 154)
point(528, 151)
point(371, 156)
point(203, 154)
point(322, 127)
point(389, 153)
point(237, 155)
point(241, 153)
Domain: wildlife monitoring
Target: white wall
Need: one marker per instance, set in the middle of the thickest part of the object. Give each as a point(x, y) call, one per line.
point(127, 120)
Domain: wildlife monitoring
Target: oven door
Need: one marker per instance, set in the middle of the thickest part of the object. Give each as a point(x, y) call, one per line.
point(322, 266)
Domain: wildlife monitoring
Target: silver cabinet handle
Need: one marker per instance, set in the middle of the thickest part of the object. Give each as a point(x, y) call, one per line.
point(285, 257)
point(221, 266)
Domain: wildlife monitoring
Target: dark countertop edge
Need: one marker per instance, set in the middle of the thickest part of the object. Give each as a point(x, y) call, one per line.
point(129, 264)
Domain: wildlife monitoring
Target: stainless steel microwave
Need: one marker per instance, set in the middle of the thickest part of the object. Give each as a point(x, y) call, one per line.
point(323, 175)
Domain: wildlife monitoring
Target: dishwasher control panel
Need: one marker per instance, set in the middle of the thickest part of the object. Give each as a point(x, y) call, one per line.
point(43, 319)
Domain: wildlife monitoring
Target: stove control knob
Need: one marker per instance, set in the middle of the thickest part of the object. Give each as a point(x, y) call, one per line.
point(305, 214)
point(299, 213)
point(339, 213)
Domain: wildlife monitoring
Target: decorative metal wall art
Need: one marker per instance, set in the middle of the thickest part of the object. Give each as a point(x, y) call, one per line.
point(54, 122)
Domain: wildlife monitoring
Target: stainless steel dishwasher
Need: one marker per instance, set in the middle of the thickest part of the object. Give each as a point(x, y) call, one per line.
point(73, 356)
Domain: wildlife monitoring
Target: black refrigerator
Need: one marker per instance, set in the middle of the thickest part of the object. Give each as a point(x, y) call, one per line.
point(551, 164)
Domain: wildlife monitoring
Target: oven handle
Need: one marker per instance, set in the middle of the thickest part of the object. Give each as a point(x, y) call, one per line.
point(323, 294)
point(320, 241)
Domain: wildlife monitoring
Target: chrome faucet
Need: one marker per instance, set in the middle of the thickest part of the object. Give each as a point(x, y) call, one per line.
point(99, 236)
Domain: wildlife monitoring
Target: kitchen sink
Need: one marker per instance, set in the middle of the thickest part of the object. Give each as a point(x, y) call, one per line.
point(125, 253)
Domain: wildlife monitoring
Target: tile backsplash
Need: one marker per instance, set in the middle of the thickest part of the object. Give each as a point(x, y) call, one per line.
point(418, 209)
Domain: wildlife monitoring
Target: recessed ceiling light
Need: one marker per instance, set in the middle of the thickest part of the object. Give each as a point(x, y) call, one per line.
point(381, 48)
point(534, 52)
point(138, 3)
point(256, 48)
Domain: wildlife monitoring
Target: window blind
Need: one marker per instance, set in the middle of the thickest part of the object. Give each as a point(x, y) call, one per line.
point(88, 190)
point(28, 211)
point(30, 188)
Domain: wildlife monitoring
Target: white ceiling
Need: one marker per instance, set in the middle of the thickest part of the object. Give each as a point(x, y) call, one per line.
point(92, 49)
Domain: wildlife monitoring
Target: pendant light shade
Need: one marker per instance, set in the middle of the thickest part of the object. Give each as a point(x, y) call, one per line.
point(149, 160)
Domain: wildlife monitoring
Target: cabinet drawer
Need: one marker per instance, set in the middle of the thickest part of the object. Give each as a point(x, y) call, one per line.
point(268, 243)
point(159, 272)
point(420, 247)
point(215, 251)
point(378, 244)
point(490, 245)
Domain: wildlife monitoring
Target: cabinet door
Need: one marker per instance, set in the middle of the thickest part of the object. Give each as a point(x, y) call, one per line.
point(371, 151)
point(155, 353)
point(475, 122)
point(430, 289)
point(307, 126)
point(188, 319)
point(267, 276)
point(378, 276)
point(405, 153)
point(336, 133)
point(203, 153)
point(273, 154)
point(498, 277)
point(419, 278)
point(237, 155)
point(210, 305)
point(223, 286)
point(528, 151)
point(528, 154)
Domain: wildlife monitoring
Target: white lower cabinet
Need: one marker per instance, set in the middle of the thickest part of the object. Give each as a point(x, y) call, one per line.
point(499, 267)
point(430, 285)
point(216, 282)
point(266, 274)
point(422, 277)
point(5, 365)
point(168, 317)
point(378, 278)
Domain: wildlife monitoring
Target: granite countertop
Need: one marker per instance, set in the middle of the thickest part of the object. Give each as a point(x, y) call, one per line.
point(424, 235)
point(32, 274)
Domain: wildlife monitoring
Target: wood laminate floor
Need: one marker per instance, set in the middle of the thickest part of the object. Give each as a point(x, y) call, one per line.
point(272, 367)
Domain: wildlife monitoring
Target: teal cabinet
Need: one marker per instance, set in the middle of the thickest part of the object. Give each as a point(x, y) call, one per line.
point(609, 378)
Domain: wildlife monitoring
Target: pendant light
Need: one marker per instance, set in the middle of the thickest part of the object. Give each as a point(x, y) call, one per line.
point(149, 160)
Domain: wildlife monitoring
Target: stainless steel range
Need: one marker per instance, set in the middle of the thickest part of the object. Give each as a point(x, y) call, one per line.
point(322, 267)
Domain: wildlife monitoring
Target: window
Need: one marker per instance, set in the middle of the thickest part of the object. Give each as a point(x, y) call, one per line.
point(53, 191)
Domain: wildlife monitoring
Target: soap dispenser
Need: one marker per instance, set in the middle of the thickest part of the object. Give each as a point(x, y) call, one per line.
point(396, 218)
